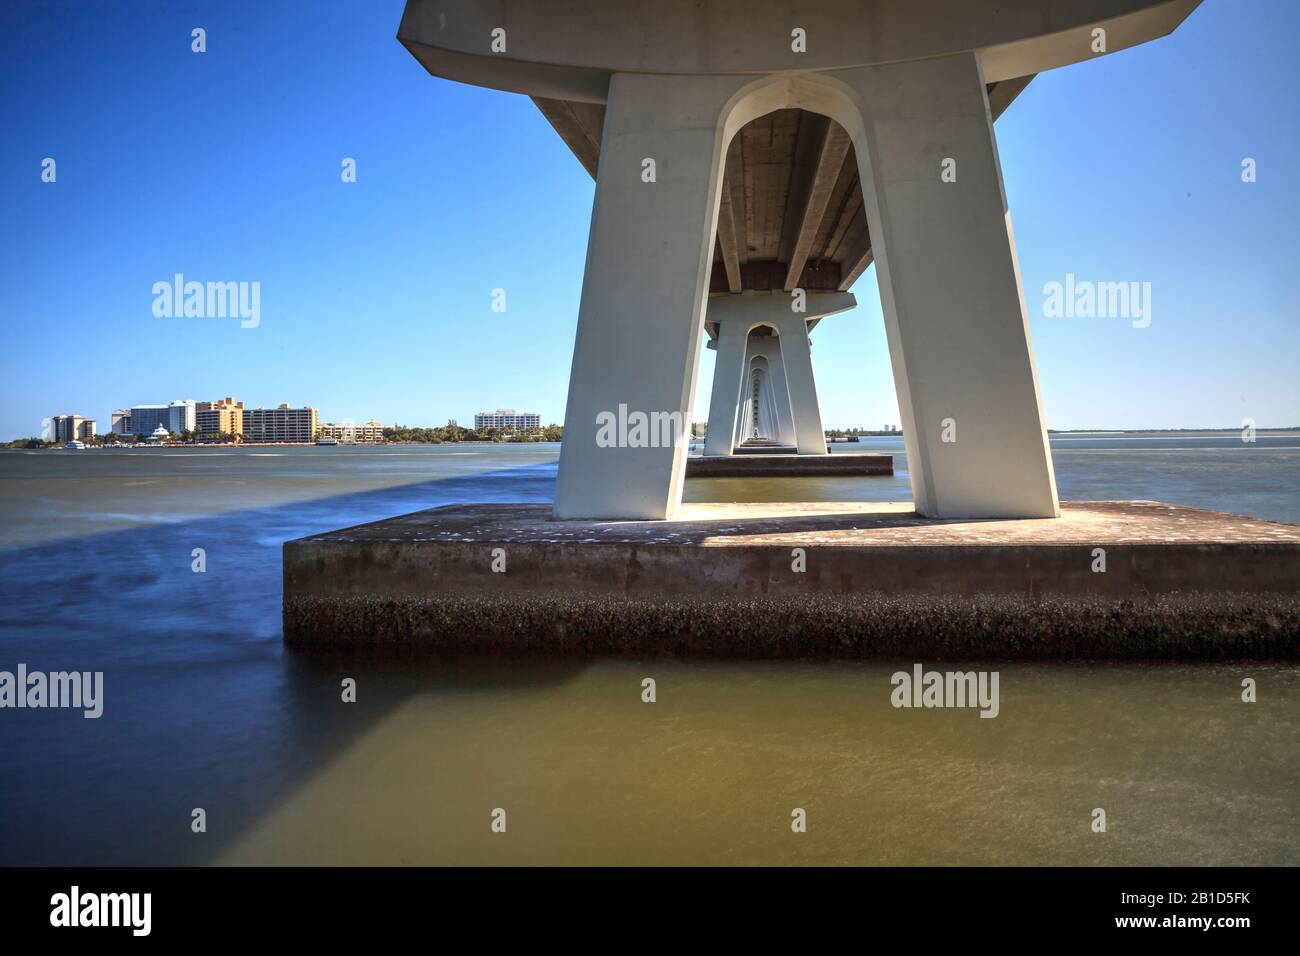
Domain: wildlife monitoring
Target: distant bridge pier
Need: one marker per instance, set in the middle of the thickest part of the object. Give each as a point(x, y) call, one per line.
point(764, 419)
point(763, 373)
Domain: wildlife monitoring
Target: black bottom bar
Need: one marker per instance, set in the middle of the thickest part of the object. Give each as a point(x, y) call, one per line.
point(482, 905)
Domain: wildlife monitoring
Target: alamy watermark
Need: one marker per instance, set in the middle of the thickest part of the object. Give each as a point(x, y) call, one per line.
point(75, 908)
point(82, 690)
point(209, 300)
point(1084, 299)
point(634, 429)
point(922, 688)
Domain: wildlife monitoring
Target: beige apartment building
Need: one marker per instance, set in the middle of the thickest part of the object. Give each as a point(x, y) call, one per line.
point(223, 417)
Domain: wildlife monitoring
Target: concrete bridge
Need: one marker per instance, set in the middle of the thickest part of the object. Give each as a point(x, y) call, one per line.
point(750, 163)
point(752, 159)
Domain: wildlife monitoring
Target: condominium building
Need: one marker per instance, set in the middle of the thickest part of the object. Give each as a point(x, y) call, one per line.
point(282, 424)
point(73, 428)
point(176, 417)
point(144, 419)
point(508, 420)
point(64, 427)
point(120, 422)
point(348, 432)
point(222, 417)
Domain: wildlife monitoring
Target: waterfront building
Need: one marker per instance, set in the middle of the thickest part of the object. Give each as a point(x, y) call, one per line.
point(222, 417)
point(181, 416)
point(508, 420)
point(73, 428)
point(174, 417)
point(280, 424)
point(348, 432)
point(144, 419)
point(64, 427)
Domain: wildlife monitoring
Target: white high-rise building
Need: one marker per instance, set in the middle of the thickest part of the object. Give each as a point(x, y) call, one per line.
point(181, 416)
point(507, 420)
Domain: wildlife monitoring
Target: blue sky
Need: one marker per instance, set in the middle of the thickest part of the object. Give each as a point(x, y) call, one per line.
point(376, 296)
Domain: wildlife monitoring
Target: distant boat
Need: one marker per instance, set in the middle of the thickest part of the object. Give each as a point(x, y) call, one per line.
point(75, 445)
point(327, 441)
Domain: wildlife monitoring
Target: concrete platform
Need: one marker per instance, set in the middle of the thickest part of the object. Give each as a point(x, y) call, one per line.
point(767, 448)
point(844, 464)
point(879, 582)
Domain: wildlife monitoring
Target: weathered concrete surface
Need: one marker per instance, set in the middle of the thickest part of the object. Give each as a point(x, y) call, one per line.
point(879, 581)
point(744, 465)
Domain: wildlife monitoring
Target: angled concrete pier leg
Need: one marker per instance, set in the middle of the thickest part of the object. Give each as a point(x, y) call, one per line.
point(641, 319)
point(950, 291)
point(810, 438)
point(728, 374)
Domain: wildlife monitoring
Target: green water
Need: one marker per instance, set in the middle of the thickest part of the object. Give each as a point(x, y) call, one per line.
point(204, 708)
point(713, 770)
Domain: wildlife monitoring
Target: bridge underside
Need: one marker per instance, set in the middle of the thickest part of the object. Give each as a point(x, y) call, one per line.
point(740, 156)
point(791, 212)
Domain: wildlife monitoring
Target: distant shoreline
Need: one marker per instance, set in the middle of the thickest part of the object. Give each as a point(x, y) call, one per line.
point(1157, 431)
point(17, 444)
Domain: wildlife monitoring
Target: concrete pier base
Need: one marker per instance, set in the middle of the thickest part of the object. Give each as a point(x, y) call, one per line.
point(789, 465)
point(795, 580)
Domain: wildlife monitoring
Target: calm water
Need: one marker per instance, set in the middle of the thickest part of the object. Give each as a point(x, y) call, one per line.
point(204, 707)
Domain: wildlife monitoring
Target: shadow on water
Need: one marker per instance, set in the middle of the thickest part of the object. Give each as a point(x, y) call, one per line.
point(203, 707)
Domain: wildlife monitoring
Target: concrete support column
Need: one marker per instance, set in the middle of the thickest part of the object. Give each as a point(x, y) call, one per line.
point(796, 352)
point(641, 320)
point(950, 290)
point(781, 392)
point(729, 372)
